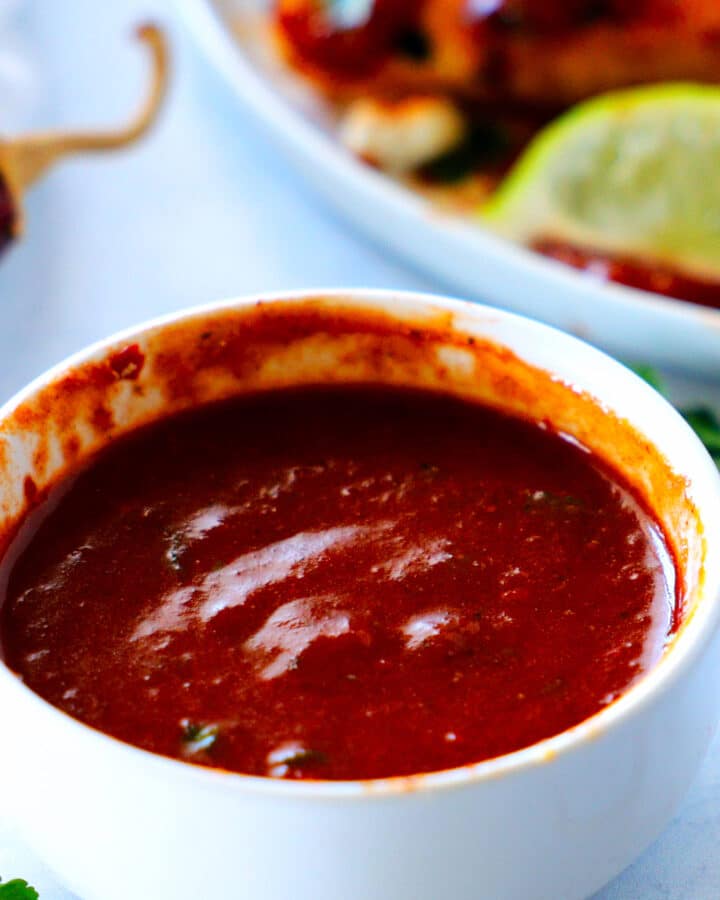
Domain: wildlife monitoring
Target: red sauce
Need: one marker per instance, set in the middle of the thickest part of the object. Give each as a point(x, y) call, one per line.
point(127, 363)
point(355, 40)
point(554, 17)
point(321, 36)
point(339, 583)
point(657, 279)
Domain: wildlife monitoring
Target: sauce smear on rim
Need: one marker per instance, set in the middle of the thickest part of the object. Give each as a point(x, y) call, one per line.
point(339, 583)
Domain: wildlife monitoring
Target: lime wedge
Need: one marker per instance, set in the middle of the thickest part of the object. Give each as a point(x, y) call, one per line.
point(634, 172)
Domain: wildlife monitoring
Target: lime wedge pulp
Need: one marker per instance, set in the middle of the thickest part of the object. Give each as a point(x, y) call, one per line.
point(634, 173)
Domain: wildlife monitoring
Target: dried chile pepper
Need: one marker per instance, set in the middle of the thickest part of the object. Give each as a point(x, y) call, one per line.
point(25, 159)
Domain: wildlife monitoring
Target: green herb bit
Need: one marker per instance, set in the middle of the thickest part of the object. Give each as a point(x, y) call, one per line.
point(305, 757)
point(486, 144)
point(552, 687)
point(17, 889)
point(174, 552)
point(198, 738)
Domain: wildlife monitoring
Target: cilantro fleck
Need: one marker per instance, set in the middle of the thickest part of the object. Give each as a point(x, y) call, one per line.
point(174, 552)
point(197, 737)
point(552, 687)
point(485, 145)
point(17, 889)
point(305, 757)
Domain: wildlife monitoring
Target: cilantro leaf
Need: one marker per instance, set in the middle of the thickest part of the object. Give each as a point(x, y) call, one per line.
point(306, 756)
point(197, 737)
point(17, 889)
point(486, 143)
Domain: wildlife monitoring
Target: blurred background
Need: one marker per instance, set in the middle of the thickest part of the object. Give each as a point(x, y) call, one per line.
point(206, 207)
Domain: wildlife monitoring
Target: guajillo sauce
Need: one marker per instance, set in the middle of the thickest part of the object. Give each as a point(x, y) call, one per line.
point(338, 584)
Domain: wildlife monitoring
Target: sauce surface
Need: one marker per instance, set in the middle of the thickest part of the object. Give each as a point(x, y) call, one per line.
point(338, 584)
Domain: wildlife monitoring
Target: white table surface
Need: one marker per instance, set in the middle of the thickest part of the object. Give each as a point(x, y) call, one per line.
point(205, 208)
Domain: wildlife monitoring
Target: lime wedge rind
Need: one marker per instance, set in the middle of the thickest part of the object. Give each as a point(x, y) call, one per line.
point(633, 172)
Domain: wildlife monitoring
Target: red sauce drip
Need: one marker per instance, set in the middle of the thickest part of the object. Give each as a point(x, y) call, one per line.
point(7, 215)
point(339, 584)
point(347, 51)
point(658, 279)
point(127, 363)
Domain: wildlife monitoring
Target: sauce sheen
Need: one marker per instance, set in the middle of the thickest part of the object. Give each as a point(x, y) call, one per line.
point(338, 584)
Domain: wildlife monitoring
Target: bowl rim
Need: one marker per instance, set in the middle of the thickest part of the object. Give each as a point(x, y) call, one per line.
point(682, 651)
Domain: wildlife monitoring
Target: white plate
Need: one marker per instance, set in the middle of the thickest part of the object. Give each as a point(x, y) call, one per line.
point(632, 324)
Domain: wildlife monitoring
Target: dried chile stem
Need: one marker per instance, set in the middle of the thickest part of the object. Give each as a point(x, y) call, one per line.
point(25, 159)
point(7, 214)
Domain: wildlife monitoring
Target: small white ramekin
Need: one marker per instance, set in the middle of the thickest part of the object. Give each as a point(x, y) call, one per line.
point(554, 821)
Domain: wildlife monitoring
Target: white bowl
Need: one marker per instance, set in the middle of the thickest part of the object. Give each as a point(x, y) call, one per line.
point(632, 324)
point(555, 820)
